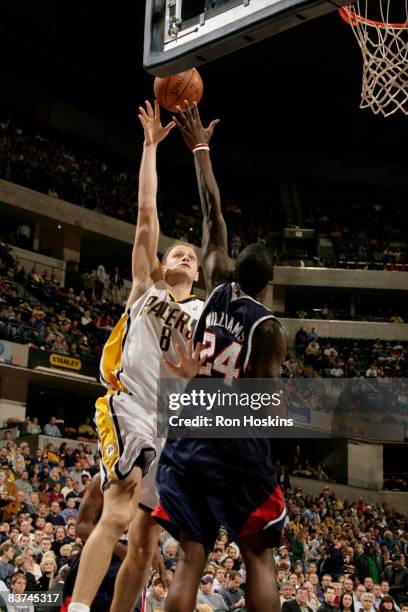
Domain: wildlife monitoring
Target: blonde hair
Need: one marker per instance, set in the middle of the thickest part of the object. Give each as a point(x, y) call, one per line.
point(21, 559)
point(176, 244)
point(49, 557)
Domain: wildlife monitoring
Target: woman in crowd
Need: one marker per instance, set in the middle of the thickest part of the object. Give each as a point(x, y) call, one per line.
point(90, 456)
point(346, 603)
point(228, 563)
point(32, 426)
point(55, 494)
point(387, 604)
point(24, 564)
point(48, 568)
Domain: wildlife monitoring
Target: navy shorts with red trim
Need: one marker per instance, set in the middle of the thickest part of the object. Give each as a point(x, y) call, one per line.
point(206, 484)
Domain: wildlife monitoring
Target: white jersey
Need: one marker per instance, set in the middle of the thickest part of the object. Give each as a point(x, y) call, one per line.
point(132, 359)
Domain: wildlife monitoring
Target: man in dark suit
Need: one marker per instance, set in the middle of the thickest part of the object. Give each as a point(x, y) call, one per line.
point(300, 603)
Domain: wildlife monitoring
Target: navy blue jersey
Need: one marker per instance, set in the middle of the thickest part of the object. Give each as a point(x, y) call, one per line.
point(225, 328)
point(205, 483)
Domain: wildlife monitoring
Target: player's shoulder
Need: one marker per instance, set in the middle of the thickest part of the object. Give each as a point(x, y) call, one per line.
point(269, 337)
point(192, 305)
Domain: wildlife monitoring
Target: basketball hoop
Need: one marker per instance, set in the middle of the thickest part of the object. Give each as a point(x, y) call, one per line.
point(384, 46)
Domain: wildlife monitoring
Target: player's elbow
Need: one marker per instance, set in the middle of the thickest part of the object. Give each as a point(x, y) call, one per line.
point(146, 206)
point(83, 530)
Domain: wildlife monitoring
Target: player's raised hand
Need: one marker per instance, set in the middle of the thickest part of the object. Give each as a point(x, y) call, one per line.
point(190, 126)
point(154, 132)
point(189, 363)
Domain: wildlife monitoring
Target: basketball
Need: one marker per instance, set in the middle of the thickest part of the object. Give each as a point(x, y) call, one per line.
point(173, 90)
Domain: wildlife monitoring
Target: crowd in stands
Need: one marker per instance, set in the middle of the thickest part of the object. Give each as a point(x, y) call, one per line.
point(346, 357)
point(365, 233)
point(329, 312)
point(48, 164)
point(330, 547)
point(368, 393)
point(36, 310)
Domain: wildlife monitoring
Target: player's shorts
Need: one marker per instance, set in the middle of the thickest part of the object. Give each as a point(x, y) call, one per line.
point(126, 436)
point(206, 484)
point(149, 496)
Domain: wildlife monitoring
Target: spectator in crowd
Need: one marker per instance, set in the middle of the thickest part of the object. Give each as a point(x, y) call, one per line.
point(49, 570)
point(219, 579)
point(100, 281)
point(116, 284)
point(8, 437)
point(54, 516)
point(7, 553)
point(397, 577)
point(23, 234)
point(367, 602)
point(156, 598)
point(32, 426)
point(387, 604)
point(208, 597)
point(18, 587)
point(329, 599)
point(300, 603)
point(232, 594)
point(52, 429)
point(9, 492)
point(24, 564)
point(70, 510)
point(287, 592)
point(86, 430)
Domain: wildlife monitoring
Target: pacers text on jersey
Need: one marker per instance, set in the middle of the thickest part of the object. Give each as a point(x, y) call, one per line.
point(173, 317)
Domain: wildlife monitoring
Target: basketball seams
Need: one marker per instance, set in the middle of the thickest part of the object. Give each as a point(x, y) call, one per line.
point(176, 101)
point(189, 87)
point(165, 92)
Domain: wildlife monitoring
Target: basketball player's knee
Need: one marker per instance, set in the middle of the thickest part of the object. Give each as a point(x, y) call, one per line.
point(254, 551)
point(143, 546)
point(116, 521)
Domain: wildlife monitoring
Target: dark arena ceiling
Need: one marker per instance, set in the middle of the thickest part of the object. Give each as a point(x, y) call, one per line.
point(297, 91)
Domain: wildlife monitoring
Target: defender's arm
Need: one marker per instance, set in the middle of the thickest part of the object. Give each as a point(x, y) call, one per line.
point(215, 261)
point(268, 349)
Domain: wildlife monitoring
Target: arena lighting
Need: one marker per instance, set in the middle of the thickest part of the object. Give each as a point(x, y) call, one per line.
point(180, 34)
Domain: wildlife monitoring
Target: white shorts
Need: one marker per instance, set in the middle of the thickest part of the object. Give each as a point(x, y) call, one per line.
point(127, 434)
point(149, 496)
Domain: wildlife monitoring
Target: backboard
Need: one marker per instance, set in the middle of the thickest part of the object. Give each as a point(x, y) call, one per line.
point(180, 34)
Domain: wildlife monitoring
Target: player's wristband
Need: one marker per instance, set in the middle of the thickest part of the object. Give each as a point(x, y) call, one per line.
point(201, 146)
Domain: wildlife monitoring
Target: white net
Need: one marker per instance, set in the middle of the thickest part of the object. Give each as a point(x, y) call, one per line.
point(384, 46)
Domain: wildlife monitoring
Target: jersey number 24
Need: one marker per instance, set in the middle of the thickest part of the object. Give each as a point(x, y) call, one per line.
point(224, 363)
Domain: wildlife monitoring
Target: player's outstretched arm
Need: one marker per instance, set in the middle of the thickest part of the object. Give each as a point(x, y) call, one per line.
point(268, 349)
point(146, 266)
point(215, 261)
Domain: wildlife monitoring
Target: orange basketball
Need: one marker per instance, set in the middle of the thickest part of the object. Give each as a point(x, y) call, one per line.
point(171, 91)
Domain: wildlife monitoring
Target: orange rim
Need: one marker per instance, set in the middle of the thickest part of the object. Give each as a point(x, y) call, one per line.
point(350, 16)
